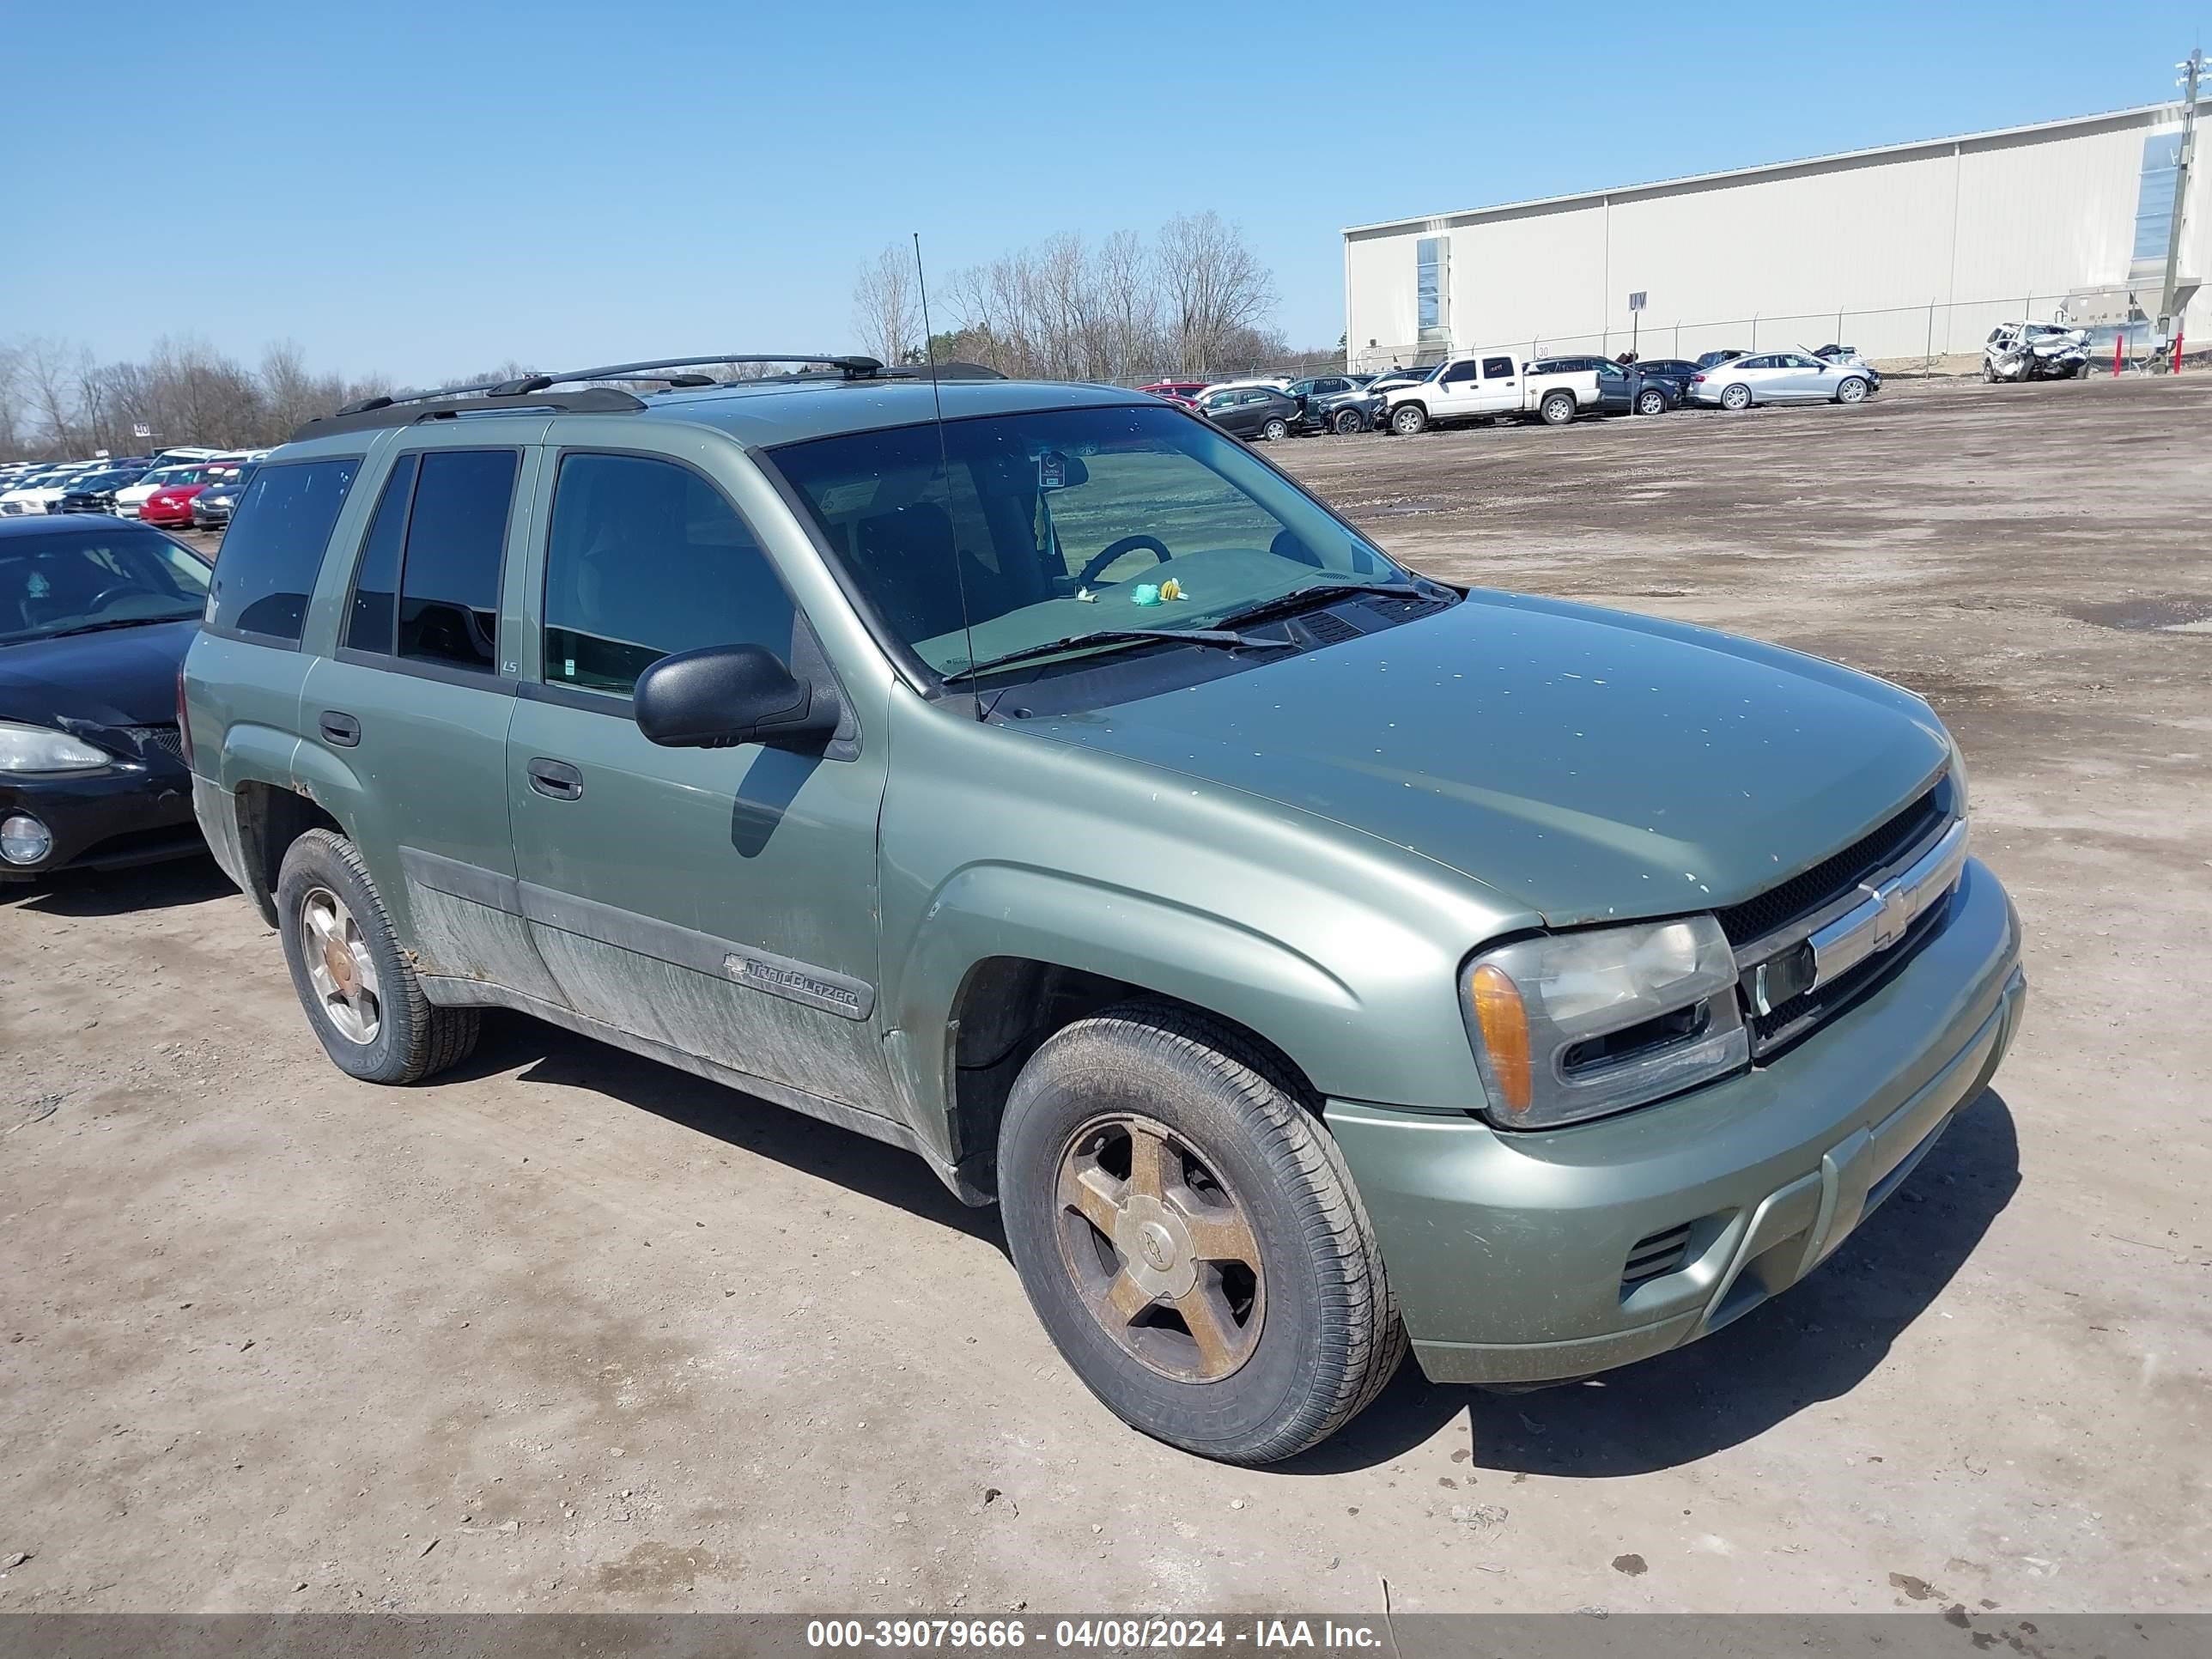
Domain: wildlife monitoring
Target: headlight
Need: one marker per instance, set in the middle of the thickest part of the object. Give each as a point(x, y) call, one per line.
point(37, 749)
point(1574, 1025)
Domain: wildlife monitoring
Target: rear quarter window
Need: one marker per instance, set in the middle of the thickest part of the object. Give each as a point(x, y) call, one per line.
point(266, 568)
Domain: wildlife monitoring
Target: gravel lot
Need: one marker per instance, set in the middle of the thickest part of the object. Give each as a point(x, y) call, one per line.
point(571, 1331)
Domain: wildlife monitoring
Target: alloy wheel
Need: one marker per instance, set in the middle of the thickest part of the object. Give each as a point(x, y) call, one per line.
point(1160, 1250)
point(340, 967)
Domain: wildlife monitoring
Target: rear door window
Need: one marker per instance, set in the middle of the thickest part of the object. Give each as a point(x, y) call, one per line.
point(646, 558)
point(450, 570)
point(1496, 368)
point(370, 617)
point(273, 550)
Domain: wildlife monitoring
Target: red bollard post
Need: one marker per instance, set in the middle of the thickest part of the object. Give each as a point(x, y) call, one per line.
point(2176, 351)
point(2119, 351)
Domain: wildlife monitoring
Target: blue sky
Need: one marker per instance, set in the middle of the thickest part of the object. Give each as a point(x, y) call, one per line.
point(416, 189)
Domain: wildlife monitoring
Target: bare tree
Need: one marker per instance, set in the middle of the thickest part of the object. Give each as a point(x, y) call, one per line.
point(886, 310)
point(48, 371)
point(1214, 286)
point(290, 395)
point(1198, 300)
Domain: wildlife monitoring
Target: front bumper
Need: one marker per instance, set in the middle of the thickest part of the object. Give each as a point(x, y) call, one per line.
point(1510, 1254)
point(132, 814)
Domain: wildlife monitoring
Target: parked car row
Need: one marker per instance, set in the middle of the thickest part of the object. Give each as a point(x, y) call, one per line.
point(162, 490)
point(1503, 384)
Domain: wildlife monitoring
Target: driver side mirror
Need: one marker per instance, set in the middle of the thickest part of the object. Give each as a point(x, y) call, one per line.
point(721, 696)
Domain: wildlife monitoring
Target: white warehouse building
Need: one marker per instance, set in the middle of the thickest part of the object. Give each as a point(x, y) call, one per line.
point(1906, 252)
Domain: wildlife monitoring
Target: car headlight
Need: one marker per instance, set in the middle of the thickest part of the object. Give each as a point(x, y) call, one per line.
point(1569, 1026)
point(40, 749)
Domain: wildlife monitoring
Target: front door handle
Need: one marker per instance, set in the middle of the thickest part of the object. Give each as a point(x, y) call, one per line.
point(556, 780)
point(340, 730)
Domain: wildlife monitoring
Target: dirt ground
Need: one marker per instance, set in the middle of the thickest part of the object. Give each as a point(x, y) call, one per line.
point(568, 1330)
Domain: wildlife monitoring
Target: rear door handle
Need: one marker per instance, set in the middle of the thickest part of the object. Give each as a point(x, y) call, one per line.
point(341, 730)
point(556, 780)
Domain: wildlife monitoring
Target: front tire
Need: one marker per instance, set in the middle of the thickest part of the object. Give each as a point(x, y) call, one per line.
point(1649, 401)
point(1348, 421)
point(1276, 429)
point(1737, 397)
point(361, 991)
point(1851, 390)
point(1190, 1238)
point(1557, 409)
point(1408, 419)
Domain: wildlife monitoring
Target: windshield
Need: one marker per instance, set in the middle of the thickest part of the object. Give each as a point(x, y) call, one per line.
point(57, 583)
point(1068, 523)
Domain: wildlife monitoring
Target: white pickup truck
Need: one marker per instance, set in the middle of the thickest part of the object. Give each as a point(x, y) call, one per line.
point(1488, 385)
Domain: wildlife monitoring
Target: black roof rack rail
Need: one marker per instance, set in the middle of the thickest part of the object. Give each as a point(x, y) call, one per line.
point(464, 400)
point(533, 393)
point(852, 368)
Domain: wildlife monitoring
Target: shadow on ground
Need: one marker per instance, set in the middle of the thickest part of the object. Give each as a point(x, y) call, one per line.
point(1815, 1342)
point(543, 1053)
point(119, 892)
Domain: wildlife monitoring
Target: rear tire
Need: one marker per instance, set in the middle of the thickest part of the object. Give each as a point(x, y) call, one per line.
point(361, 991)
point(1276, 429)
point(1408, 419)
point(1152, 1160)
point(1736, 397)
point(1557, 409)
point(1348, 421)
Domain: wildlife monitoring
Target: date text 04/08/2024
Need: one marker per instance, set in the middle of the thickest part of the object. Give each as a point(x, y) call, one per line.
point(1114, 1634)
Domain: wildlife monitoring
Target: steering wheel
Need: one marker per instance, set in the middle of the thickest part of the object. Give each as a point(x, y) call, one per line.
point(1114, 550)
point(110, 594)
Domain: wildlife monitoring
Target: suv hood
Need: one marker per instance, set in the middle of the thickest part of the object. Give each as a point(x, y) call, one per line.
point(1588, 763)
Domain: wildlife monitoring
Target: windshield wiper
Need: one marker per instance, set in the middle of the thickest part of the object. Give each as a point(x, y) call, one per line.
point(1302, 599)
point(1222, 636)
point(115, 622)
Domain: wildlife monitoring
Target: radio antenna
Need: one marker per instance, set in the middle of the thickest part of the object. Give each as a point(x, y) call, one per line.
point(944, 459)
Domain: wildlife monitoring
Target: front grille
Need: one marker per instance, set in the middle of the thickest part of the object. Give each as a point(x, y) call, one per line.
point(1656, 1257)
point(1831, 878)
point(1808, 1010)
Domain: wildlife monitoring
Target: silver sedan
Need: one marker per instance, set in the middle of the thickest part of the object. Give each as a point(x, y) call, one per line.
point(1780, 376)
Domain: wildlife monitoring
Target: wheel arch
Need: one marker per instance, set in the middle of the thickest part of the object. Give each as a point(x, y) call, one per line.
point(1007, 1007)
point(271, 818)
point(1009, 955)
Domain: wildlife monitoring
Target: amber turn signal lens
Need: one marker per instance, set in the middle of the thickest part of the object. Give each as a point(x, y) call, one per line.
point(1503, 1023)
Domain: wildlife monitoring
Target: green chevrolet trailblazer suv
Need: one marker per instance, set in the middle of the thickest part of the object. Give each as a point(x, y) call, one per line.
point(1306, 956)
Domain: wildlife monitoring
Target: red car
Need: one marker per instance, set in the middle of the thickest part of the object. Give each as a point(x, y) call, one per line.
point(1177, 391)
point(173, 503)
